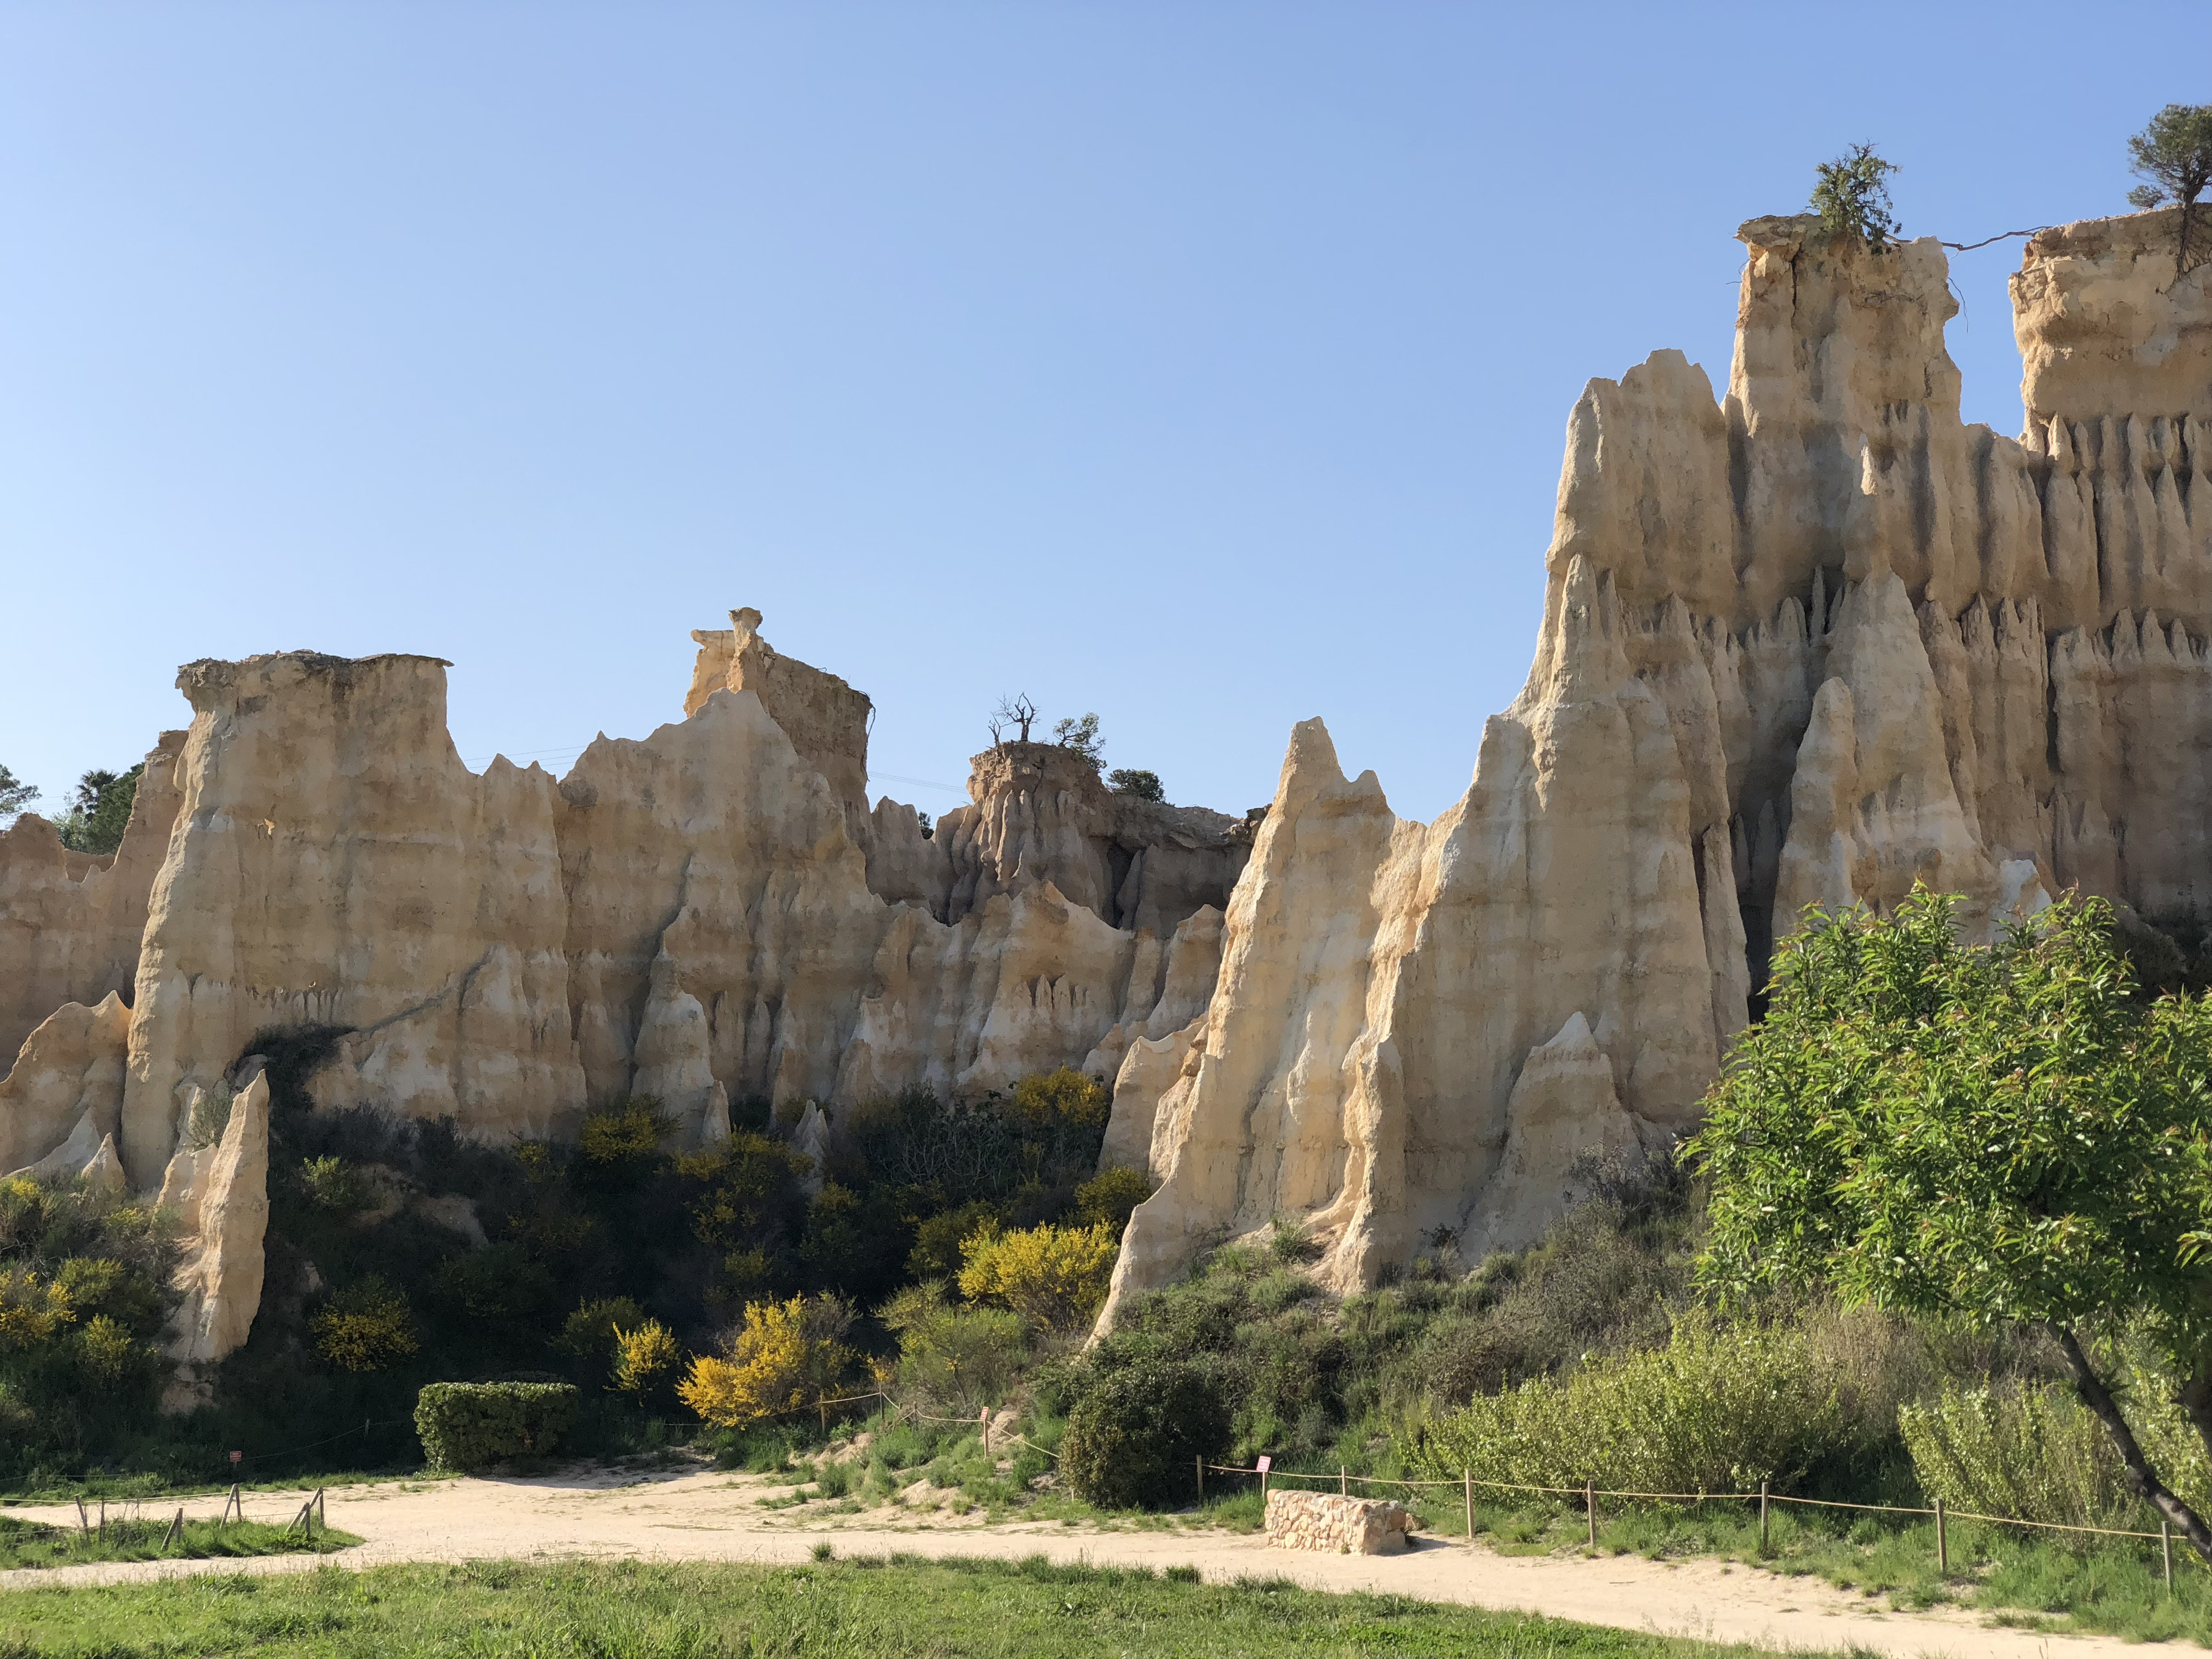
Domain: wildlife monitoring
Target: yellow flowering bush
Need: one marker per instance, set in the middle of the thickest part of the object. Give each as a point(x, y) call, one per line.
point(1053, 1277)
point(786, 1355)
point(644, 1357)
point(31, 1310)
point(364, 1327)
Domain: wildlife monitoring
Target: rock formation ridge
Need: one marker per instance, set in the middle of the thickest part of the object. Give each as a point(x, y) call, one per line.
point(1802, 645)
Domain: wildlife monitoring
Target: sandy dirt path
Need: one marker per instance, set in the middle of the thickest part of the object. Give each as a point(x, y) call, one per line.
point(694, 1514)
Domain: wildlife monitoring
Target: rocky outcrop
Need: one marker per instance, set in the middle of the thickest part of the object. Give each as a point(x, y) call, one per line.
point(2107, 327)
point(1804, 645)
point(718, 913)
point(65, 1095)
point(335, 866)
point(71, 923)
point(826, 719)
point(691, 916)
point(1040, 813)
point(220, 1194)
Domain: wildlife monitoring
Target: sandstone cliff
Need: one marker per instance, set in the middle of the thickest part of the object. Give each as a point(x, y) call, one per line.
point(71, 922)
point(1805, 644)
point(690, 915)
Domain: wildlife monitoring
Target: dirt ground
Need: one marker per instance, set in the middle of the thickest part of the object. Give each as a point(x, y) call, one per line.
point(690, 1513)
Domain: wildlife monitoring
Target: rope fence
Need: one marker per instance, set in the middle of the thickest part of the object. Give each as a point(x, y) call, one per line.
point(1589, 1493)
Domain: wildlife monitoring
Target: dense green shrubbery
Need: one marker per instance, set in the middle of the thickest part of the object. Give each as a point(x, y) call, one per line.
point(400, 1254)
point(1718, 1409)
point(471, 1425)
point(84, 1289)
point(2035, 1454)
point(1136, 1432)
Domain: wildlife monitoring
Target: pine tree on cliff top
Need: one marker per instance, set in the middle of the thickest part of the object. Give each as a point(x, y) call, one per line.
point(2174, 155)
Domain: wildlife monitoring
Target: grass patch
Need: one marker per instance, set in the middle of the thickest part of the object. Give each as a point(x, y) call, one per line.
point(29, 1544)
point(899, 1608)
point(2015, 1579)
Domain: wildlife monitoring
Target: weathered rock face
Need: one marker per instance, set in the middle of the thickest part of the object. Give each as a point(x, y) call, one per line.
point(2107, 330)
point(825, 719)
point(71, 923)
point(335, 864)
point(1807, 645)
point(221, 1195)
point(689, 916)
point(1040, 813)
point(68, 1076)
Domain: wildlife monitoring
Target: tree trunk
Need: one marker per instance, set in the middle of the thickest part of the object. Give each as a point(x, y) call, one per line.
point(2147, 1485)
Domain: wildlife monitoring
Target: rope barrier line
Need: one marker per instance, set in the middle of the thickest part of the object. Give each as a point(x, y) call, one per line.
point(1828, 1503)
point(1274, 1474)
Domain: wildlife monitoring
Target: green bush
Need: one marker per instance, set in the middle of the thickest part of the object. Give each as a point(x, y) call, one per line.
point(1106, 1200)
point(1718, 1409)
point(1135, 1433)
point(2036, 1454)
point(957, 1359)
point(466, 1426)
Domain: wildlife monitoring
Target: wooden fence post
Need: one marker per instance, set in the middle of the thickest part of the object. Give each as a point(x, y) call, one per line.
point(176, 1530)
point(83, 1520)
point(1589, 1503)
point(1343, 1482)
point(1468, 1476)
point(1942, 1540)
point(1762, 1533)
point(1201, 1461)
point(2165, 1548)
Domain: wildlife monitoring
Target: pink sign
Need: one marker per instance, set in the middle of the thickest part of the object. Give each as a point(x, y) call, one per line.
point(238, 1457)
point(1266, 1463)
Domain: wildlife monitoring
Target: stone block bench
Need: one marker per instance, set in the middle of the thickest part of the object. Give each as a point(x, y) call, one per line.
point(1336, 1526)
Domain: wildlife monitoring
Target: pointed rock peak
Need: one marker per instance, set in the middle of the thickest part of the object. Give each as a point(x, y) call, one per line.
point(104, 1170)
point(1575, 1037)
point(1310, 769)
point(1587, 661)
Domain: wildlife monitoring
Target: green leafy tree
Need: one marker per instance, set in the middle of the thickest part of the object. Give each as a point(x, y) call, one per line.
point(100, 810)
point(2174, 156)
point(2007, 1133)
point(1080, 736)
point(14, 793)
point(1134, 781)
point(1851, 196)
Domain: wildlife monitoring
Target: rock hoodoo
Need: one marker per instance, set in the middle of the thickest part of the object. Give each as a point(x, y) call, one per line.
point(1806, 643)
point(1803, 645)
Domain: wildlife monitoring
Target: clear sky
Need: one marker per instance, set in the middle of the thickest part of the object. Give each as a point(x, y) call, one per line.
point(1202, 364)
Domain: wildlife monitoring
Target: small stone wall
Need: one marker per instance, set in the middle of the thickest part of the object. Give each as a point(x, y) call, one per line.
point(1336, 1526)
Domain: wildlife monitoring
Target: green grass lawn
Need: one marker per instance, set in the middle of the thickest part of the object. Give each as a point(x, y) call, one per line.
point(900, 1608)
point(28, 1543)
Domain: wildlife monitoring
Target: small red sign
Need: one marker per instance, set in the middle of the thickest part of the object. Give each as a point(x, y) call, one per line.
point(238, 1457)
point(1266, 1463)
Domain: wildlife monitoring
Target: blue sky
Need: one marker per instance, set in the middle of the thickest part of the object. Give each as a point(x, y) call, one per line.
point(1203, 364)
